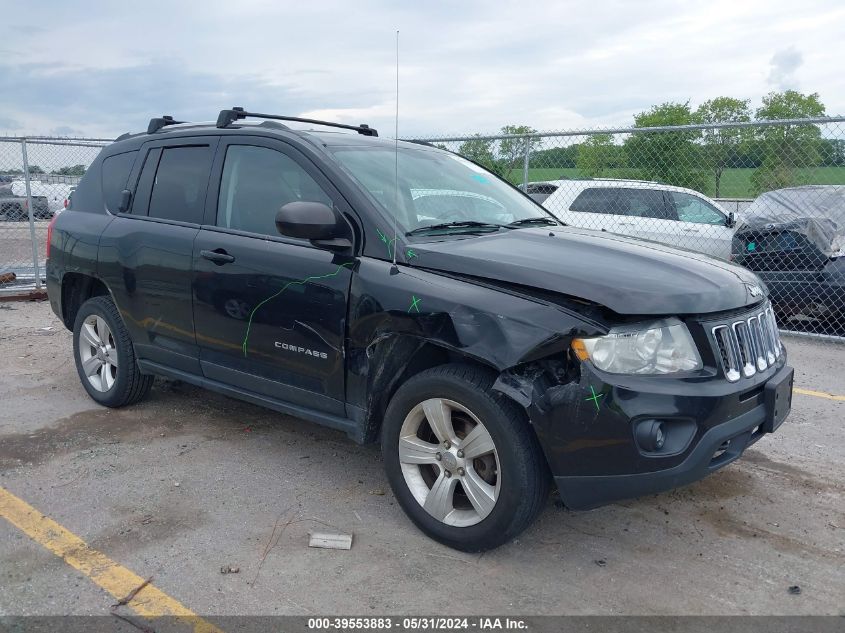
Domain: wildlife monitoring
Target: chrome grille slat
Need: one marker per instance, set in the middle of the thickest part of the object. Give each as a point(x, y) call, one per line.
point(748, 345)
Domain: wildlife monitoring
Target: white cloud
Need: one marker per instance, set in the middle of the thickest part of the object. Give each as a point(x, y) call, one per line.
point(469, 66)
point(784, 65)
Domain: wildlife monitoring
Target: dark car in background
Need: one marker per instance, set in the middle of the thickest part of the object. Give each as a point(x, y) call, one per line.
point(14, 208)
point(794, 239)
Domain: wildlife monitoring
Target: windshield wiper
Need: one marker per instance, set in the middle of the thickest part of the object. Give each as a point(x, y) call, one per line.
point(457, 224)
point(535, 221)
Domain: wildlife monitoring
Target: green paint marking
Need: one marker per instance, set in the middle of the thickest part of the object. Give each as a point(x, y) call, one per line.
point(301, 282)
point(410, 254)
point(387, 242)
point(595, 397)
point(415, 303)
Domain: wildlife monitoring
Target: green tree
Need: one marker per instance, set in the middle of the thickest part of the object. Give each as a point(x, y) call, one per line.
point(35, 169)
point(512, 150)
point(787, 147)
point(720, 145)
point(76, 170)
point(479, 150)
point(671, 157)
point(598, 154)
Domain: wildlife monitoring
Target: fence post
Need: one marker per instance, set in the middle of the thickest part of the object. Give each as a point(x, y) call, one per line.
point(31, 216)
point(525, 164)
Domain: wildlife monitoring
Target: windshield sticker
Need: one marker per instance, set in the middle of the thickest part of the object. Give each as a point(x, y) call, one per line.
point(387, 242)
point(300, 282)
point(415, 303)
point(480, 178)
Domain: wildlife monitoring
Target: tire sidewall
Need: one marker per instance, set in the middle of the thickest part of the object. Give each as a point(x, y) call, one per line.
point(514, 482)
point(97, 306)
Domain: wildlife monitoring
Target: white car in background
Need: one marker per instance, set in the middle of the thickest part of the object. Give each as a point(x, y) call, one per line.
point(663, 213)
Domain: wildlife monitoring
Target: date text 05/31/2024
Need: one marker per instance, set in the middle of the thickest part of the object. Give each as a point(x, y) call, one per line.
point(432, 623)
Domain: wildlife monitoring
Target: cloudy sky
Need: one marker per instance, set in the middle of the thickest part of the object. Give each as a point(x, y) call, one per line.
point(102, 68)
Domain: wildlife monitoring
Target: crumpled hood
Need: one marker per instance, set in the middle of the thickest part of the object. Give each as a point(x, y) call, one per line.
point(627, 275)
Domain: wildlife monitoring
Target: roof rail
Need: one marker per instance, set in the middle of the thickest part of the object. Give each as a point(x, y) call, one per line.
point(227, 117)
point(159, 122)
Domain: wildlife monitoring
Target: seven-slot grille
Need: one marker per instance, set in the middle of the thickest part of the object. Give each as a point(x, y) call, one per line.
point(749, 344)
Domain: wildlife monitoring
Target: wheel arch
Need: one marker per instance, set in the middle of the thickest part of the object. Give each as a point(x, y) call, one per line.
point(77, 288)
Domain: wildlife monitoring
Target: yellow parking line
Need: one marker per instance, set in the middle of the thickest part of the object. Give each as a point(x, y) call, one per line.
point(818, 394)
point(107, 574)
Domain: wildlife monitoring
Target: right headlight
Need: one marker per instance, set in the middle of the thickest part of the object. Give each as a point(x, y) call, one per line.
point(658, 347)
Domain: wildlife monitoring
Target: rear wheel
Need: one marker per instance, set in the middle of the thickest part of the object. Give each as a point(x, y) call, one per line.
point(462, 460)
point(105, 357)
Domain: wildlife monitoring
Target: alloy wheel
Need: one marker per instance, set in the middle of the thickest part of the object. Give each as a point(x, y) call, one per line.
point(449, 462)
point(97, 353)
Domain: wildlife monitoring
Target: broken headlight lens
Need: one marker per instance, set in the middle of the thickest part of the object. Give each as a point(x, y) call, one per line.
point(659, 347)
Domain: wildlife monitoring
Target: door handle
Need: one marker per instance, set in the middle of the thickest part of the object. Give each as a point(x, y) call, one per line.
point(218, 256)
point(690, 230)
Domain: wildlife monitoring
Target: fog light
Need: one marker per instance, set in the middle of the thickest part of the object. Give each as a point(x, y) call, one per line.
point(650, 435)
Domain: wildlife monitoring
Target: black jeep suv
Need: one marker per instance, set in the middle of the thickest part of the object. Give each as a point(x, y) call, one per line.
point(398, 291)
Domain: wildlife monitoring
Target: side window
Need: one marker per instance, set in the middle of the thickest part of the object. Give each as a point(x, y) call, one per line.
point(694, 209)
point(596, 200)
point(256, 183)
point(644, 203)
point(115, 174)
point(180, 184)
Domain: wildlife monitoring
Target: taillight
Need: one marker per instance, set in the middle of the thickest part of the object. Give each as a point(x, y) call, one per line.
point(65, 203)
point(50, 235)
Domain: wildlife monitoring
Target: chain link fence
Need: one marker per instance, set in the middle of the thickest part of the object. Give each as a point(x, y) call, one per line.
point(37, 176)
point(768, 195)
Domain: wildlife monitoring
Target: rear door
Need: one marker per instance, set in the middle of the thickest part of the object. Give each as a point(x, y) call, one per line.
point(270, 310)
point(145, 253)
point(596, 208)
point(645, 214)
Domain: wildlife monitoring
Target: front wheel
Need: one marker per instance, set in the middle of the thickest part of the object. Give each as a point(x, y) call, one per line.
point(462, 460)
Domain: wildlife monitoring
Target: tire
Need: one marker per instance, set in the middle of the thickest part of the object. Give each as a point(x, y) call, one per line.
point(105, 357)
point(493, 495)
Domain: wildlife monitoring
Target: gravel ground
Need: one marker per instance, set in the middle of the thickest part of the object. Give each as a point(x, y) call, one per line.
point(188, 482)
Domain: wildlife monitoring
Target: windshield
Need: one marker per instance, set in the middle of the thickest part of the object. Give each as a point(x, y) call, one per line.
point(435, 188)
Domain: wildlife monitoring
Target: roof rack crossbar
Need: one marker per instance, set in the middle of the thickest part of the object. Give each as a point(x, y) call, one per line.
point(227, 117)
point(159, 122)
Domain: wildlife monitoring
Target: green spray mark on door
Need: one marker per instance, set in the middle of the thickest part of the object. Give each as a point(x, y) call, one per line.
point(301, 282)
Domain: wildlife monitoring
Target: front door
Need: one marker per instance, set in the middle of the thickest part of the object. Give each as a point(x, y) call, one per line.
point(270, 311)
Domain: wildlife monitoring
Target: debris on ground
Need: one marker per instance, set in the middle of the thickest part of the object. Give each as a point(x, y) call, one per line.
point(600, 562)
point(794, 590)
point(378, 492)
point(229, 569)
point(128, 598)
point(327, 540)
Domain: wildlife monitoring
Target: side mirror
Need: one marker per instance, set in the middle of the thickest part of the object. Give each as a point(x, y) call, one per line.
point(312, 221)
point(730, 222)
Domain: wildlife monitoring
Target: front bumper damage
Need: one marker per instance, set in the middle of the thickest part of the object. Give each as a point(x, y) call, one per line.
point(587, 428)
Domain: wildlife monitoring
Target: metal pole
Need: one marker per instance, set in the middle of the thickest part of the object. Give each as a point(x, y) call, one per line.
point(31, 217)
point(525, 164)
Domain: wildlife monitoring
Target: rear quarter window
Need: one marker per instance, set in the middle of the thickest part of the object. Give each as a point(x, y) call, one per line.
point(115, 175)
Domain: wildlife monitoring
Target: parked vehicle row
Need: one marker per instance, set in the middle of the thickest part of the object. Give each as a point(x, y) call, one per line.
point(663, 213)
point(793, 238)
